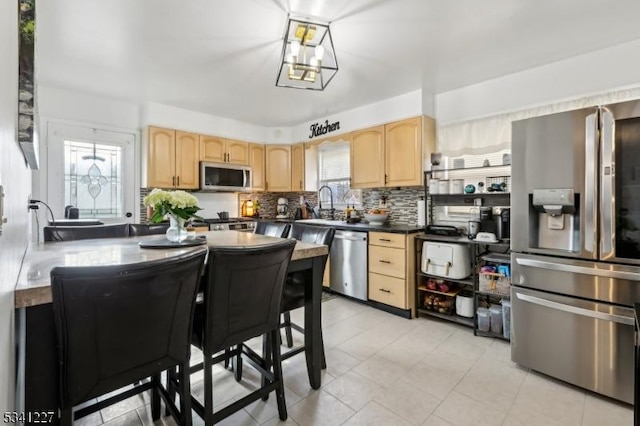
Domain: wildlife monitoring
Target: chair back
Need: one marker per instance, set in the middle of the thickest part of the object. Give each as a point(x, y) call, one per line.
point(294, 291)
point(243, 293)
point(140, 229)
point(273, 229)
point(313, 234)
point(119, 324)
point(70, 233)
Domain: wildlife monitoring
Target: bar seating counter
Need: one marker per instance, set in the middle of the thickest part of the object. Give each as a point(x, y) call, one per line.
point(37, 381)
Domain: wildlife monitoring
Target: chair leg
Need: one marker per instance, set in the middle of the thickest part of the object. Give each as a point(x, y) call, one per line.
point(237, 363)
point(208, 391)
point(268, 342)
point(324, 358)
point(155, 397)
point(277, 372)
point(287, 328)
point(227, 360)
point(185, 394)
point(171, 390)
point(66, 417)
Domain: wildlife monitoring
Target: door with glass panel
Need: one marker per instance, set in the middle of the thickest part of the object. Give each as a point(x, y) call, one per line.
point(92, 170)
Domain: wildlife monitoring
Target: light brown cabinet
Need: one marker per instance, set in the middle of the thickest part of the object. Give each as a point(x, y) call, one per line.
point(391, 263)
point(391, 155)
point(257, 163)
point(214, 149)
point(171, 159)
point(278, 168)
point(367, 158)
point(297, 167)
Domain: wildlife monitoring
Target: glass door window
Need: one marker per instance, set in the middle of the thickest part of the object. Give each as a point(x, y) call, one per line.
point(92, 170)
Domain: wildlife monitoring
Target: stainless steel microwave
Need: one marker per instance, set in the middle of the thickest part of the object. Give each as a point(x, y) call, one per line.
point(224, 177)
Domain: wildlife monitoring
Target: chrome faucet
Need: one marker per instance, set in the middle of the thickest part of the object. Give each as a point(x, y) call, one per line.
point(330, 197)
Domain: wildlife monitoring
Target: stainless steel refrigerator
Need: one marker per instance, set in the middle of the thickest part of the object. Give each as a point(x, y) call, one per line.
point(575, 240)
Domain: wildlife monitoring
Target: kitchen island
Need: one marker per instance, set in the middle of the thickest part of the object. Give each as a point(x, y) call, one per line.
point(37, 363)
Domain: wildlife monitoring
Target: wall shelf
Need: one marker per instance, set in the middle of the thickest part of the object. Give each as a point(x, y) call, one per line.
point(488, 199)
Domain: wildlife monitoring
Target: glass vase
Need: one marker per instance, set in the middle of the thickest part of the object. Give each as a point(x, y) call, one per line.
point(176, 231)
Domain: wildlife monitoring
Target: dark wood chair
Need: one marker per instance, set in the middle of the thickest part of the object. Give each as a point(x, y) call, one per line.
point(116, 326)
point(273, 229)
point(71, 233)
point(242, 300)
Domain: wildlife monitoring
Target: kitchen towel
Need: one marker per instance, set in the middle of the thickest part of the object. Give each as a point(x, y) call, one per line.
point(421, 215)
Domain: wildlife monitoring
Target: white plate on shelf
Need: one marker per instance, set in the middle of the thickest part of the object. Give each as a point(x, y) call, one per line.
point(486, 237)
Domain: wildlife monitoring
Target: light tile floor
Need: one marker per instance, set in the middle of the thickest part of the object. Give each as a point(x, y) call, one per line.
point(386, 370)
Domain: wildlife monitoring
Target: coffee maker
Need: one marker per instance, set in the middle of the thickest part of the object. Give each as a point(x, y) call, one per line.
point(282, 209)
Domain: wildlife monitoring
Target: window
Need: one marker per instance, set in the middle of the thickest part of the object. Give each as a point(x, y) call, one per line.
point(93, 179)
point(334, 170)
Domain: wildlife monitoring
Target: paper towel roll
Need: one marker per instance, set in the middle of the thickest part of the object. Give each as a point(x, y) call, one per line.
point(421, 215)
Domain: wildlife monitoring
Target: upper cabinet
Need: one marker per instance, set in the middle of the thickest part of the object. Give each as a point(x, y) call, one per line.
point(367, 158)
point(391, 155)
point(214, 149)
point(171, 159)
point(278, 168)
point(257, 163)
point(297, 167)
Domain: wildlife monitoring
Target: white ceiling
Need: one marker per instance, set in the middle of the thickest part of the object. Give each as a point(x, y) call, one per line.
point(221, 56)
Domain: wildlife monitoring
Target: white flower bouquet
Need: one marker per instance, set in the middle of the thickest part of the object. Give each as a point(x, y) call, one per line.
point(179, 204)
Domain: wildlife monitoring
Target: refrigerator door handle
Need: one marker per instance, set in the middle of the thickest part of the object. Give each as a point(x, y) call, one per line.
point(562, 267)
point(590, 184)
point(621, 319)
point(607, 185)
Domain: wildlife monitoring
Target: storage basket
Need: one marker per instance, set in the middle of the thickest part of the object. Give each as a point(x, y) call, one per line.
point(493, 282)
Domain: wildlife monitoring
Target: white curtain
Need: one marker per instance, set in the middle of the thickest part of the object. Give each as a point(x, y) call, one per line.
point(488, 135)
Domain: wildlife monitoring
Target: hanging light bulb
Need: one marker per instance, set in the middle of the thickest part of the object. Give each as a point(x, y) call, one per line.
point(319, 52)
point(295, 49)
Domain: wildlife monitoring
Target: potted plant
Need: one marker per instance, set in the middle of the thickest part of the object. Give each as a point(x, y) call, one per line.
point(178, 206)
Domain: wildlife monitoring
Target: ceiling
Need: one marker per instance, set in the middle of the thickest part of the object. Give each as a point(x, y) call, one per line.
point(222, 56)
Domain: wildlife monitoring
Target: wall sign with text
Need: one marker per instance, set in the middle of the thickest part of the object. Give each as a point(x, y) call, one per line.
point(319, 129)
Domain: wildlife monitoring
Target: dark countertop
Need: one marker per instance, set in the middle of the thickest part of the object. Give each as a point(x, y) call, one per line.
point(364, 227)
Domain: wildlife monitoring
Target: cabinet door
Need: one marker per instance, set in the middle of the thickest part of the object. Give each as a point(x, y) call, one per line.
point(187, 156)
point(212, 149)
point(367, 158)
point(278, 160)
point(161, 170)
point(403, 152)
point(256, 161)
point(297, 167)
point(237, 152)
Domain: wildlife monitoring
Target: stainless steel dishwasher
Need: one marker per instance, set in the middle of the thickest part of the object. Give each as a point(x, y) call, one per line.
point(349, 264)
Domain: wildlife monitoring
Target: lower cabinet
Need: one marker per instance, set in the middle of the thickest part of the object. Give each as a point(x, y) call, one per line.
point(326, 278)
point(391, 266)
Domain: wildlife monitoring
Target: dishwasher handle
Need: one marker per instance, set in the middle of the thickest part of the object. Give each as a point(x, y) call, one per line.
point(350, 236)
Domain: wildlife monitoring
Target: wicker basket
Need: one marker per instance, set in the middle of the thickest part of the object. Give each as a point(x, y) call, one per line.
point(493, 282)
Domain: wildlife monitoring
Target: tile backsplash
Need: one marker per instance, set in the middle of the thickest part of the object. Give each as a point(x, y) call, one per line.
point(401, 202)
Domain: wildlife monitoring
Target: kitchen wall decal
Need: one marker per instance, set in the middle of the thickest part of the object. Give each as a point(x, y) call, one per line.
point(319, 129)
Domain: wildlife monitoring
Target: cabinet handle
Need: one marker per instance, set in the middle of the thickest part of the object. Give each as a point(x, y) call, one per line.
point(383, 261)
point(384, 239)
point(300, 185)
point(173, 181)
point(384, 290)
point(385, 178)
point(227, 157)
point(178, 181)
